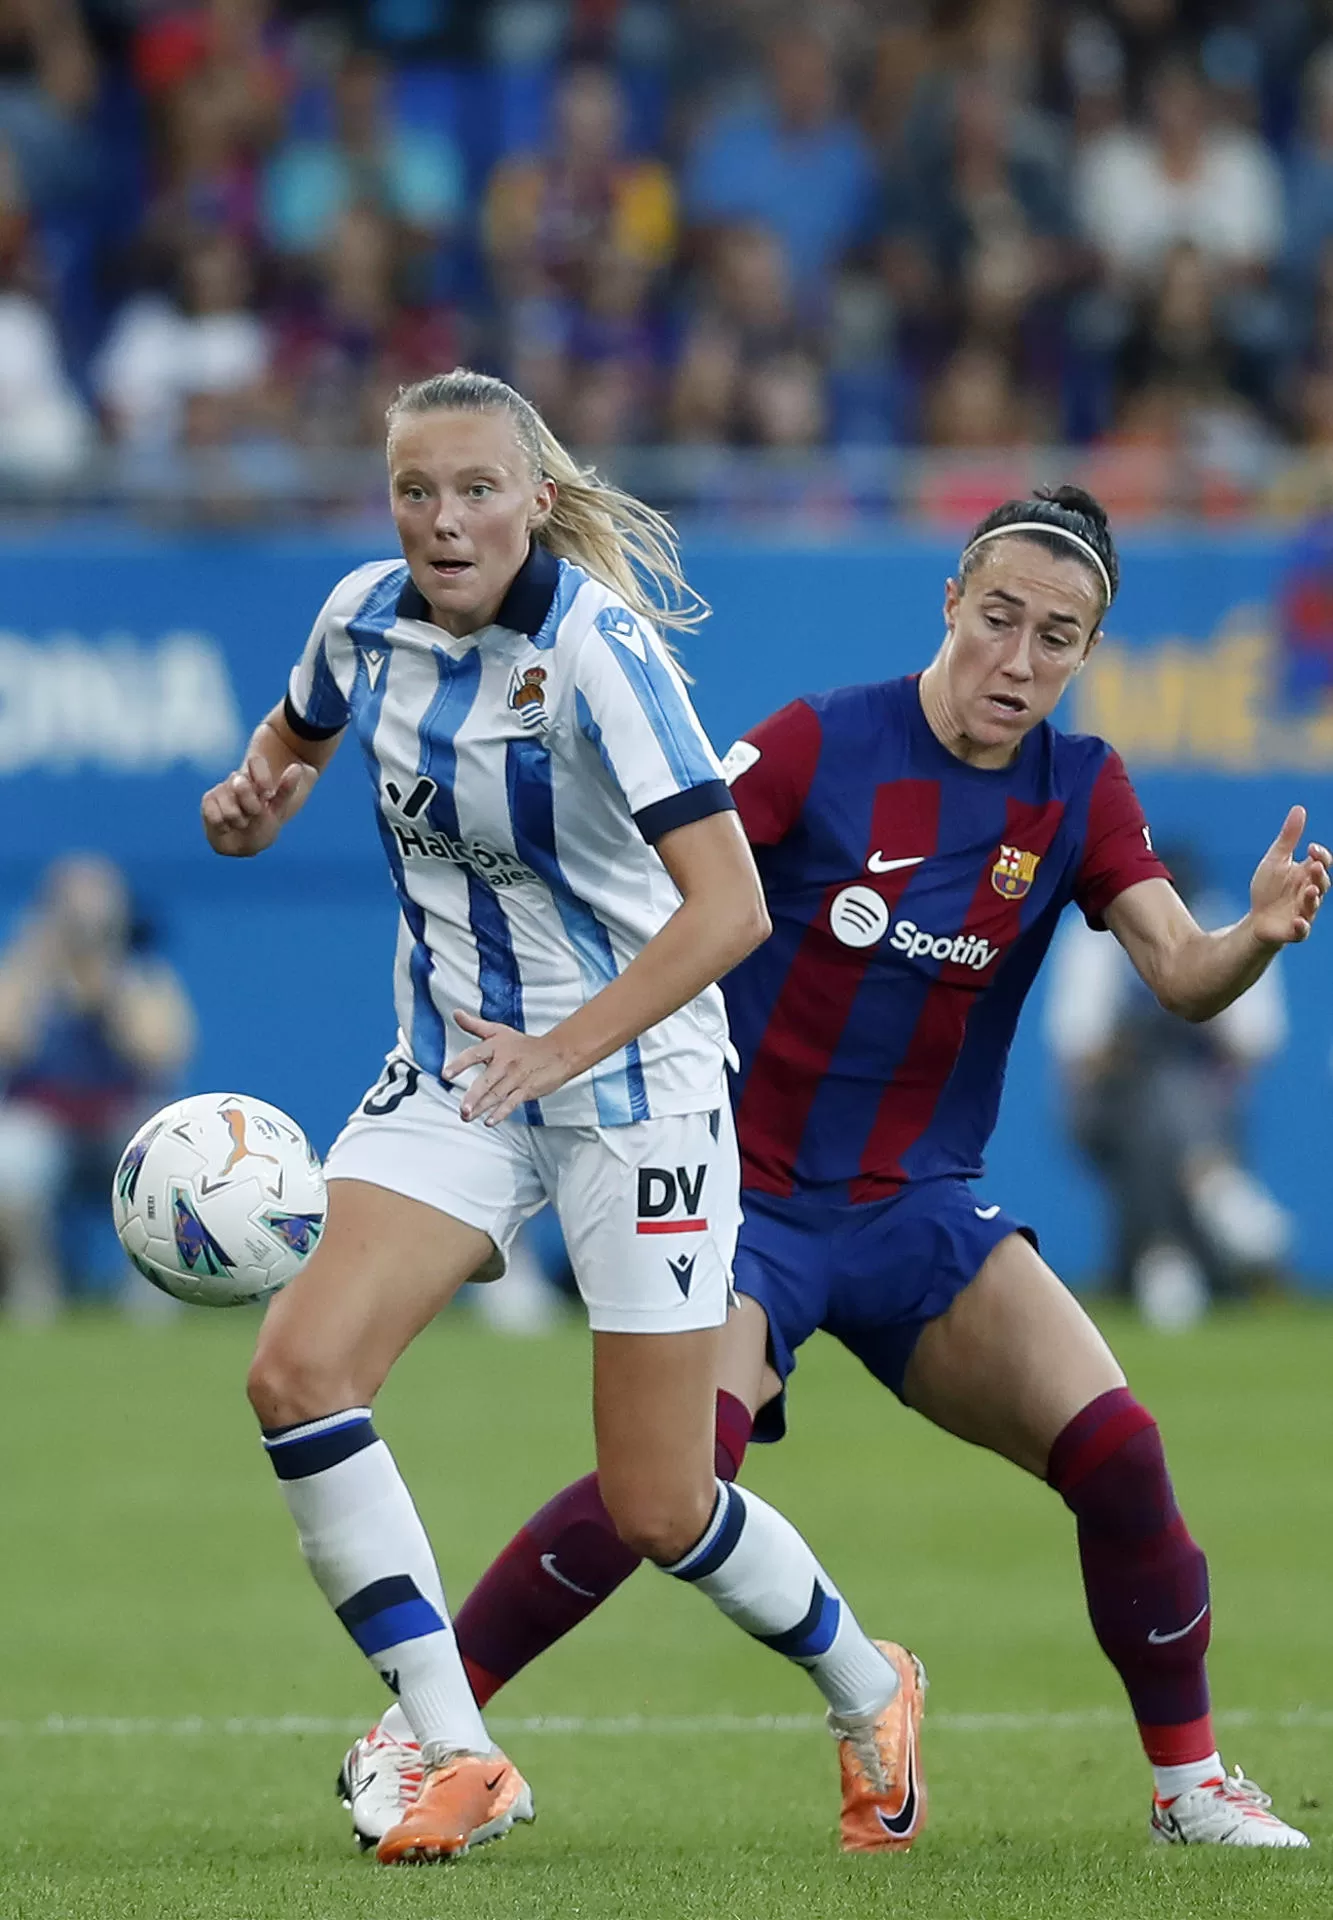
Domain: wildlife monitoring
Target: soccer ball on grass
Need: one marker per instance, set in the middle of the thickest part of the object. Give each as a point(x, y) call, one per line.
point(219, 1199)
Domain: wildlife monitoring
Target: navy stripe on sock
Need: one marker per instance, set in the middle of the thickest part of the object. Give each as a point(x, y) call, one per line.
point(727, 1536)
point(813, 1635)
point(298, 1459)
point(387, 1612)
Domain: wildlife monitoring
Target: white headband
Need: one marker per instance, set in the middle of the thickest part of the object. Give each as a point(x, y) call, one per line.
point(1061, 533)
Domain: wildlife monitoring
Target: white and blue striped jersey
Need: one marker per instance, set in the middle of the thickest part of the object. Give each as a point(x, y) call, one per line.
point(521, 776)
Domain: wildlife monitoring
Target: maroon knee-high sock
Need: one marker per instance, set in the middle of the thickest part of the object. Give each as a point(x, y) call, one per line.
point(1146, 1581)
point(559, 1568)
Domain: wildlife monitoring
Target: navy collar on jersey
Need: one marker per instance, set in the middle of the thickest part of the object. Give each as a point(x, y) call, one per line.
point(523, 609)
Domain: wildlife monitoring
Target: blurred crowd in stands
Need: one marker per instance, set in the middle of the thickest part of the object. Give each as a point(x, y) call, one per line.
point(229, 228)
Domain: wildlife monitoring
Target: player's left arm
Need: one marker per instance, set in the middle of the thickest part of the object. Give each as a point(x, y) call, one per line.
point(1196, 973)
point(721, 918)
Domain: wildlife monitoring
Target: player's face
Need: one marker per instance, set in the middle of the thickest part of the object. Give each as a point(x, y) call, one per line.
point(1018, 632)
point(465, 503)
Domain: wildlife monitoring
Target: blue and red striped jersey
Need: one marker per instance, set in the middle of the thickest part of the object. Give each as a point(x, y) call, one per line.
point(913, 898)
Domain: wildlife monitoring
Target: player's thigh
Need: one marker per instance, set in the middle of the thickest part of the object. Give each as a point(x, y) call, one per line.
point(384, 1268)
point(649, 1214)
point(418, 1201)
point(1012, 1360)
point(654, 1401)
point(743, 1367)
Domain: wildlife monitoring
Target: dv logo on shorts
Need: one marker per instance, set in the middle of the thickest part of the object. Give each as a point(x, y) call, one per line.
point(661, 1191)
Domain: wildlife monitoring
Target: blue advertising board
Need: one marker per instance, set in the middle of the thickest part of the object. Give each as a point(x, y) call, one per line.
point(132, 669)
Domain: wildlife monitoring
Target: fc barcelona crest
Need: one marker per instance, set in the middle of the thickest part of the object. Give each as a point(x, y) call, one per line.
point(1014, 872)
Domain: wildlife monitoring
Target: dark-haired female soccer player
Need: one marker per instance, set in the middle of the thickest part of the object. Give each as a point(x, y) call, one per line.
point(917, 841)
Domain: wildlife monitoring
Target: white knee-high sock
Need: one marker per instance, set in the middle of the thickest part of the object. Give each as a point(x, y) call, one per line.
point(364, 1542)
point(756, 1568)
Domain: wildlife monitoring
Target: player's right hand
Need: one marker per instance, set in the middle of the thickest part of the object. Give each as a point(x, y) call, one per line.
point(245, 813)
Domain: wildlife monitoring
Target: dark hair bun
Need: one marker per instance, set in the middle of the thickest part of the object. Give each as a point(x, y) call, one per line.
point(1065, 509)
point(1077, 500)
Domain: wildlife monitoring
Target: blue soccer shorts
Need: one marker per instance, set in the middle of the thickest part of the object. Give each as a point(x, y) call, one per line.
point(873, 1275)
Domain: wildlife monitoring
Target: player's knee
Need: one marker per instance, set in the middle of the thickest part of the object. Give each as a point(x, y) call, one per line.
point(286, 1387)
point(1110, 1469)
point(660, 1528)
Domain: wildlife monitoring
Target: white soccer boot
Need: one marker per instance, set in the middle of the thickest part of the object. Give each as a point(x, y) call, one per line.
point(379, 1779)
point(1230, 1812)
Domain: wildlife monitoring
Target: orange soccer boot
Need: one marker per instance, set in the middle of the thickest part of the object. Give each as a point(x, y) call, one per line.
point(465, 1800)
point(883, 1787)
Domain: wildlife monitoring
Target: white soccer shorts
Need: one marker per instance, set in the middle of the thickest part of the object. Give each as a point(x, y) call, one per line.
point(649, 1211)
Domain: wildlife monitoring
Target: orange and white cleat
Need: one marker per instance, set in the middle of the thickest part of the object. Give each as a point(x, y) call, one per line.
point(883, 1787)
point(380, 1777)
point(465, 1800)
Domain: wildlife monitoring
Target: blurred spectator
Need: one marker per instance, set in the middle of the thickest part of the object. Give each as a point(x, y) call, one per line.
point(1157, 1105)
point(48, 81)
point(793, 162)
point(92, 1035)
point(205, 346)
point(1179, 178)
point(977, 239)
point(783, 403)
point(347, 343)
point(550, 218)
point(412, 174)
point(983, 190)
point(744, 314)
point(1310, 177)
point(45, 431)
point(977, 403)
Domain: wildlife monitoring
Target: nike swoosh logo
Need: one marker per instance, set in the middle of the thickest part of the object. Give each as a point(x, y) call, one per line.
point(491, 1785)
point(548, 1561)
point(986, 1213)
point(900, 1824)
point(1156, 1639)
point(878, 864)
point(356, 1792)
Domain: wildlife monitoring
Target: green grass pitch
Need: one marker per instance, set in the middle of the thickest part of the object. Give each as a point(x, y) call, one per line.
point(152, 1603)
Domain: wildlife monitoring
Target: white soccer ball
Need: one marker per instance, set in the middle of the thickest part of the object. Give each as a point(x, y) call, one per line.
point(219, 1199)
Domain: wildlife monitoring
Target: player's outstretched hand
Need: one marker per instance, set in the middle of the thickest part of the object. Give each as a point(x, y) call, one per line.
point(518, 1067)
point(245, 813)
point(1285, 892)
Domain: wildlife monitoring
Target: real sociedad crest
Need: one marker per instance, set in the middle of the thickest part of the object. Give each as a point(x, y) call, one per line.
point(527, 696)
point(1014, 872)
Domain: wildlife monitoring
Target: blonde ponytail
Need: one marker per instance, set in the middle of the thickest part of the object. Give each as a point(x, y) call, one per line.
point(613, 536)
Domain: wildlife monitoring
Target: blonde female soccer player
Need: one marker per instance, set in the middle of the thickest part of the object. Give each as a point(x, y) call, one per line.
point(572, 880)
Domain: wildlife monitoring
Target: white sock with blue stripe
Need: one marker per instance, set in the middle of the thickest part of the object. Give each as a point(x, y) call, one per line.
point(756, 1568)
point(364, 1542)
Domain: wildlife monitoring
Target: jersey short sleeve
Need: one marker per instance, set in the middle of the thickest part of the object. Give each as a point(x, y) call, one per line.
point(770, 770)
point(1118, 851)
point(317, 692)
point(632, 705)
